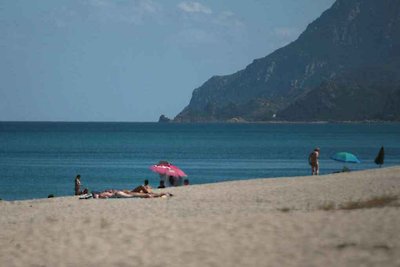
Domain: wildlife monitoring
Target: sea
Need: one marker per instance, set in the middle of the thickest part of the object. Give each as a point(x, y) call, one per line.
point(42, 158)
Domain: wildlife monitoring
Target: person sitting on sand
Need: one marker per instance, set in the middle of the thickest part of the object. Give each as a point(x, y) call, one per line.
point(172, 181)
point(313, 160)
point(146, 188)
point(162, 184)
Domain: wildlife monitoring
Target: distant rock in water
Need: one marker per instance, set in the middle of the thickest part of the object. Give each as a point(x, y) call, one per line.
point(344, 67)
point(164, 119)
point(236, 120)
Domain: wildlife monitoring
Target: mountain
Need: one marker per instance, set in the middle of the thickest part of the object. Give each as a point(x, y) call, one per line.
point(344, 66)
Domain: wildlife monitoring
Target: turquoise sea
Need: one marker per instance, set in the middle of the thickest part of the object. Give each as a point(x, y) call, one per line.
point(42, 158)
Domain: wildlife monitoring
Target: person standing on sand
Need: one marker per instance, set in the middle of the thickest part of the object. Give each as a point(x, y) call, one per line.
point(313, 160)
point(77, 185)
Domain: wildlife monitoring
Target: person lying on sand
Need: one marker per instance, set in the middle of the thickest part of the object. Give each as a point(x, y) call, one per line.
point(122, 194)
point(128, 194)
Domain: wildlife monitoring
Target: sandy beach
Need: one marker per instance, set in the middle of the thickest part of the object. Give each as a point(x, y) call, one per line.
point(345, 219)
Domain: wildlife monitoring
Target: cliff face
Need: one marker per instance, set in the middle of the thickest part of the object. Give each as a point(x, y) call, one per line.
point(363, 94)
point(351, 51)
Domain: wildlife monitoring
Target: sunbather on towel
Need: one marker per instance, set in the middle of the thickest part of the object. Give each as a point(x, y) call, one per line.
point(128, 194)
point(124, 194)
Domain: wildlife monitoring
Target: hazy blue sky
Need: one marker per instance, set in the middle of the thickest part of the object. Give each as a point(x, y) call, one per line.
point(131, 60)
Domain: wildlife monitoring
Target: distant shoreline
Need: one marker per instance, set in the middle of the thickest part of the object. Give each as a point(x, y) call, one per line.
point(279, 122)
point(395, 167)
point(211, 122)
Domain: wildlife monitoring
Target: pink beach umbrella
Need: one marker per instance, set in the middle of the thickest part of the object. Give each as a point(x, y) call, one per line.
point(166, 168)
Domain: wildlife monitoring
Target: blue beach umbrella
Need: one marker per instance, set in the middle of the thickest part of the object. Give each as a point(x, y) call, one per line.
point(345, 157)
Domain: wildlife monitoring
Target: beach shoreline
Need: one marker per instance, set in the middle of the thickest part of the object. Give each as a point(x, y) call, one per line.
point(344, 219)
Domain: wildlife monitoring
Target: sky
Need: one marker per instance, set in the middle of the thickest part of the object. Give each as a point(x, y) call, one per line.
point(131, 60)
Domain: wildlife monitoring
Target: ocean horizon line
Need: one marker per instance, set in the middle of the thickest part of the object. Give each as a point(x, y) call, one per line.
point(204, 122)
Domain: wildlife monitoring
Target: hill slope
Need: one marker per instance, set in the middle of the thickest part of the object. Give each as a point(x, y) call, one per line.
point(350, 54)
